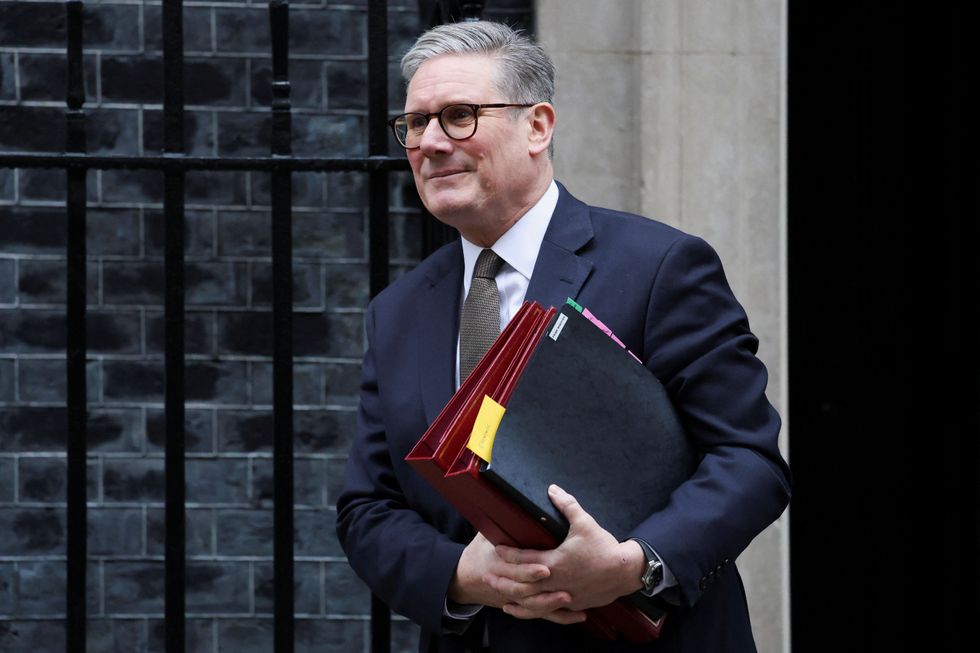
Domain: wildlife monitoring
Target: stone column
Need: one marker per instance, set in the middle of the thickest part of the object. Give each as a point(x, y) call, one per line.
point(675, 109)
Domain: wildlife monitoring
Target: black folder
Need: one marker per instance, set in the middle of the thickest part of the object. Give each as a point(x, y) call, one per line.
point(588, 416)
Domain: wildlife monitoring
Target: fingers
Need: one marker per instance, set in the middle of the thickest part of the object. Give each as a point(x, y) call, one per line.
point(546, 606)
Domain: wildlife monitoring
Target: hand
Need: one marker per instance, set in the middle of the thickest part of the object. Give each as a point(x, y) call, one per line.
point(513, 581)
point(590, 568)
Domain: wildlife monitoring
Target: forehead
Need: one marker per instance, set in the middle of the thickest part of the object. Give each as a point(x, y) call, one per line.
point(452, 78)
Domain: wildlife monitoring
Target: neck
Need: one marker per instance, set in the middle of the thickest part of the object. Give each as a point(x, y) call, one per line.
point(485, 235)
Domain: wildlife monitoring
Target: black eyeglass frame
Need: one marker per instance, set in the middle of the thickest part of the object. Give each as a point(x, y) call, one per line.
point(438, 115)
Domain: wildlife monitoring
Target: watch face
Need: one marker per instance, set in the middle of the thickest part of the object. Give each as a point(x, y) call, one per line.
point(653, 575)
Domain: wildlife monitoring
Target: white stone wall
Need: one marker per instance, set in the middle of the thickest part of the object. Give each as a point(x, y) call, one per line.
point(675, 109)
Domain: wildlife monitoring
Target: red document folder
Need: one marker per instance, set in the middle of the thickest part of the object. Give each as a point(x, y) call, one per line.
point(441, 457)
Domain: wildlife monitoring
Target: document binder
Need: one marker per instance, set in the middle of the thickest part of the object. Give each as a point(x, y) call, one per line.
point(581, 412)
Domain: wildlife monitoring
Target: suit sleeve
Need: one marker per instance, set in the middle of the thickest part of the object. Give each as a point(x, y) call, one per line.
point(698, 343)
point(405, 560)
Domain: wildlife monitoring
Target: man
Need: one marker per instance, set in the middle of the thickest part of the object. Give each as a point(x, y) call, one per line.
point(478, 129)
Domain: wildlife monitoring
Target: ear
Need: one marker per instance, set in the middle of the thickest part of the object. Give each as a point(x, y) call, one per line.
point(541, 127)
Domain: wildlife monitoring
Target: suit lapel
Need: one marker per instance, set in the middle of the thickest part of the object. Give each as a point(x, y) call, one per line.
point(438, 317)
point(559, 272)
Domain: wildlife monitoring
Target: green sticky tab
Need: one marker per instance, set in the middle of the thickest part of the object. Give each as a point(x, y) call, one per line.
point(571, 302)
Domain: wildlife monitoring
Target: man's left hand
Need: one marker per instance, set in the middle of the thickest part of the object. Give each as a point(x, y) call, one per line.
point(591, 565)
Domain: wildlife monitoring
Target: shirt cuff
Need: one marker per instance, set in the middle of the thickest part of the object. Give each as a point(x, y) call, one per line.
point(460, 611)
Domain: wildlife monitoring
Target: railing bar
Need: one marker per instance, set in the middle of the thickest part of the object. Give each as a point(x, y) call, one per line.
point(173, 208)
point(378, 221)
point(282, 347)
point(77, 391)
point(187, 163)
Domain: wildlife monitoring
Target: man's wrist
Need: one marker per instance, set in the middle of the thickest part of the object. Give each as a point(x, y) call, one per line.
point(634, 563)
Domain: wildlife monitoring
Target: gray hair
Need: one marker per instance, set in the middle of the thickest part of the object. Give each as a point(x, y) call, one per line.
point(525, 73)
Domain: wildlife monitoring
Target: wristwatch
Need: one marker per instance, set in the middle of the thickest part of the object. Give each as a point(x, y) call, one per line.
point(653, 573)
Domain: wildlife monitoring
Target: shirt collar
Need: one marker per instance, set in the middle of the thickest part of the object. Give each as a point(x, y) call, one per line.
point(519, 245)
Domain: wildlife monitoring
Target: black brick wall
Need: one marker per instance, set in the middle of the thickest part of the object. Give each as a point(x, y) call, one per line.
point(228, 334)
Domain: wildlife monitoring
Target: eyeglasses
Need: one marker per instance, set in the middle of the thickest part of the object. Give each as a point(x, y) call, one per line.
point(458, 121)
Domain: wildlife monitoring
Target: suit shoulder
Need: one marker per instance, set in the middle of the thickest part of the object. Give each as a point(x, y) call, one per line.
point(633, 233)
point(405, 288)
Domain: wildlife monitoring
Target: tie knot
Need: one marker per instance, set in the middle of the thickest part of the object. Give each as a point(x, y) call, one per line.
point(487, 265)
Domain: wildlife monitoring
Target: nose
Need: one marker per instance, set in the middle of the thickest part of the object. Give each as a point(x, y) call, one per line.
point(434, 140)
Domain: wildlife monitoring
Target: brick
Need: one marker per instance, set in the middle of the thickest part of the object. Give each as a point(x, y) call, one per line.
point(240, 233)
point(134, 587)
point(347, 190)
point(7, 185)
point(196, 33)
point(113, 131)
point(218, 587)
point(346, 593)
point(6, 483)
point(244, 431)
point(347, 285)
point(33, 230)
point(115, 531)
point(244, 532)
point(132, 186)
point(307, 189)
point(307, 383)
point(305, 84)
point(403, 29)
point(243, 333)
point(306, 581)
point(308, 475)
point(198, 333)
point(28, 428)
point(198, 531)
point(140, 79)
point(133, 380)
point(216, 187)
point(314, 334)
point(403, 193)
point(135, 479)
point(44, 281)
point(336, 469)
point(114, 430)
point(6, 379)
point(405, 237)
point(346, 85)
point(315, 533)
point(217, 480)
point(198, 431)
point(43, 331)
point(198, 233)
point(325, 32)
point(306, 285)
point(43, 479)
point(46, 380)
point(43, 77)
point(221, 284)
point(244, 134)
point(198, 132)
point(113, 232)
point(41, 588)
point(8, 595)
point(33, 531)
point(26, 129)
point(324, 431)
point(8, 274)
point(32, 636)
point(8, 85)
point(343, 382)
point(330, 636)
point(329, 136)
point(329, 235)
point(199, 636)
point(245, 635)
point(115, 636)
point(50, 185)
point(108, 27)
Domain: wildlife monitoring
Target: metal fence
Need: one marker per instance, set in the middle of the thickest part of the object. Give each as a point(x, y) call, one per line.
point(173, 164)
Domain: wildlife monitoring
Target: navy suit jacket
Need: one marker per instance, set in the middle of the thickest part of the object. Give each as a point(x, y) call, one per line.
point(665, 295)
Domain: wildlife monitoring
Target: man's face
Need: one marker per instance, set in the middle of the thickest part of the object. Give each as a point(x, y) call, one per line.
point(479, 185)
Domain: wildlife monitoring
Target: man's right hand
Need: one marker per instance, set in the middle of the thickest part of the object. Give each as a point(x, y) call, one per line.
point(514, 582)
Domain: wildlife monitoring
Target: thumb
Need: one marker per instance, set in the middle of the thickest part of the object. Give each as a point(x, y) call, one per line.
point(569, 506)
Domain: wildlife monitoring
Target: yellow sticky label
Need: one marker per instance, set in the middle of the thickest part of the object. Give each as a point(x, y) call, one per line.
point(485, 428)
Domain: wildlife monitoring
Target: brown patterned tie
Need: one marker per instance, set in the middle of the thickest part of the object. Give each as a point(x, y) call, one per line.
point(479, 323)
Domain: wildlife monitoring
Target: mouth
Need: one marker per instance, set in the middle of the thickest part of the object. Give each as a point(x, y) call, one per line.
point(442, 174)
